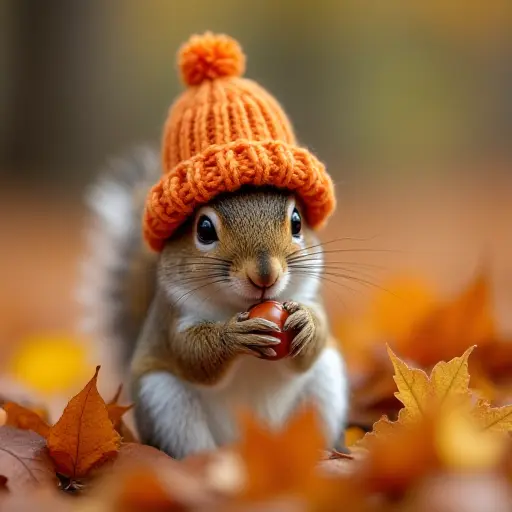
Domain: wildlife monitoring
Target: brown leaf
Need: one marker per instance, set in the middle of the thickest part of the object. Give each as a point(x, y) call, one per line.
point(450, 329)
point(143, 479)
point(135, 454)
point(21, 417)
point(39, 499)
point(24, 459)
point(116, 413)
point(142, 490)
point(398, 455)
point(84, 436)
point(285, 463)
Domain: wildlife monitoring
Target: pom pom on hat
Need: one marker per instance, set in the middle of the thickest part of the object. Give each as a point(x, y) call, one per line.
point(210, 56)
point(222, 135)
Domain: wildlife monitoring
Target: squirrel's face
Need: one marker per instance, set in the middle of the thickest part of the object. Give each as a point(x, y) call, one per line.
point(237, 251)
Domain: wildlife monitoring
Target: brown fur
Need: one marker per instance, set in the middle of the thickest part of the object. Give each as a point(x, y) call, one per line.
point(254, 231)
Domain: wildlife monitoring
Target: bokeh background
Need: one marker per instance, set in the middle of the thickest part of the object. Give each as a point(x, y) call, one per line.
point(408, 103)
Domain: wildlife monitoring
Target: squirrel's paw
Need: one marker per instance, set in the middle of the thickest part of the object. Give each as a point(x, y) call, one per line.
point(300, 320)
point(249, 336)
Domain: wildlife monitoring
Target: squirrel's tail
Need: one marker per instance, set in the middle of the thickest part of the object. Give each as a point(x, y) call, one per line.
point(118, 277)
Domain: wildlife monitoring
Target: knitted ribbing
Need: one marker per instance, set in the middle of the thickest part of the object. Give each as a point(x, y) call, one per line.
point(225, 132)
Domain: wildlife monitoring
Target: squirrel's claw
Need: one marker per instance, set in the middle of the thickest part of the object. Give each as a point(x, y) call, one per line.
point(301, 321)
point(254, 325)
point(291, 307)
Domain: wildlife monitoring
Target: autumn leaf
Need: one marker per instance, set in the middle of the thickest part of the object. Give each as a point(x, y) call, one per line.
point(496, 419)
point(21, 417)
point(413, 387)
point(84, 436)
point(451, 378)
point(463, 445)
point(286, 462)
point(39, 499)
point(280, 461)
point(142, 479)
point(143, 490)
point(451, 328)
point(116, 413)
point(398, 455)
point(24, 459)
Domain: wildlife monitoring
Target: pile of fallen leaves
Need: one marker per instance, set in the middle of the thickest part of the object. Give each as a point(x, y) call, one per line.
point(445, 444)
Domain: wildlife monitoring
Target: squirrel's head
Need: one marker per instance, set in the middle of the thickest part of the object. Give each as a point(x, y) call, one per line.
point(241, 248)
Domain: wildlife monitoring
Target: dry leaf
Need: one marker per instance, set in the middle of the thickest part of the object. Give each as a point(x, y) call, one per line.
point(21, 417)
point(143, 479)
point(285, 464)
point(24, 459)
point(447, 382)
point(451, 328)
point(398, 455)
point(462, 445)
point(135, 454)
point(413, 388)
point(142, 490)
point(116, 413)
point(38, 499)
point(496, 419)
point(84, 436)
point(283, 461)
point(452, 378)
point(435, 429)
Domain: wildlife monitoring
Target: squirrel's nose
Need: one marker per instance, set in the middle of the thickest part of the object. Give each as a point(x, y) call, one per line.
point(264, 271)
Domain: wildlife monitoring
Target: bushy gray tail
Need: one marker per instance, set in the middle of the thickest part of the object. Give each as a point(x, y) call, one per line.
point(118, 277)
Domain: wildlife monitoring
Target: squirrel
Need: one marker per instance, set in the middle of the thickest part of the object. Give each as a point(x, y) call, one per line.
point(230, 223)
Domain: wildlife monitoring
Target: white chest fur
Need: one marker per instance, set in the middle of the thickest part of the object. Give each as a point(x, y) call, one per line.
point(267, 389)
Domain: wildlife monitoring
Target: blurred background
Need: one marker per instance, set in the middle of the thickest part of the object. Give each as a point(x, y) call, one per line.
point(408, 103)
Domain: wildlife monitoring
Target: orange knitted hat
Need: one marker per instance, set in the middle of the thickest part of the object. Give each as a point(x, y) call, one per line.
point(225, 132)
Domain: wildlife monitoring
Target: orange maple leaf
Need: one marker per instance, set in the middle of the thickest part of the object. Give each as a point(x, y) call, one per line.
point(451, 328)
point(285, 463)
point(84, 436)
point(116, 412)
point(26, 419)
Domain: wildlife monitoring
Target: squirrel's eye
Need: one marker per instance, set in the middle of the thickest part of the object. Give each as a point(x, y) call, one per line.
point(206, 233)
point(296, 222)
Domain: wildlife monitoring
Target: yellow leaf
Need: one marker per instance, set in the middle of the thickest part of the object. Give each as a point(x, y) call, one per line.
point(413, 388)
point(496, 419)
point(462, 445)
point(84, 436)
point(451, 378)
